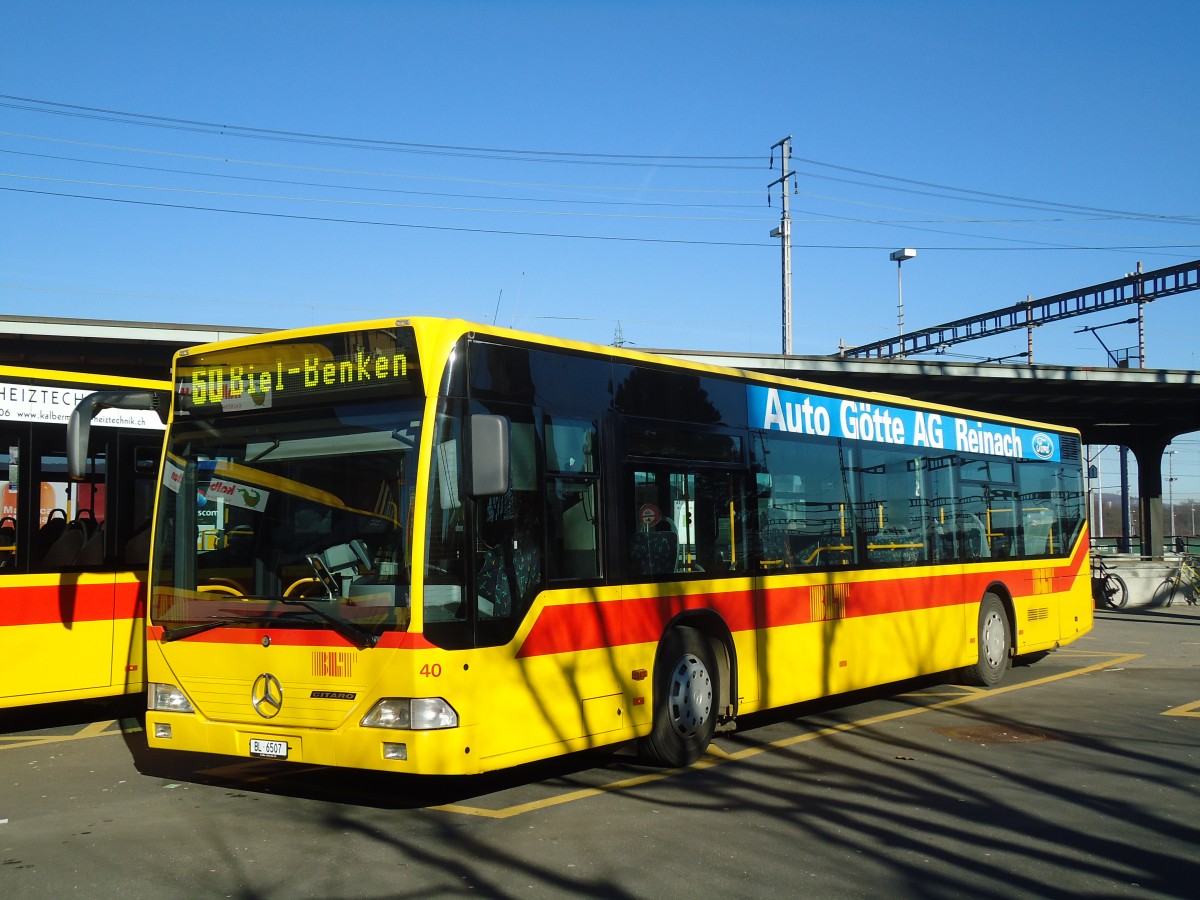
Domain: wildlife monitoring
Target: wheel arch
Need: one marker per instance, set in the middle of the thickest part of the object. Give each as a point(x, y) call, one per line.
point(713, 627)
point(1000, 590)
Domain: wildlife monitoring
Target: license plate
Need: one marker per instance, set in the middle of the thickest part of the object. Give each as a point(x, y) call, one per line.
point(269, 749)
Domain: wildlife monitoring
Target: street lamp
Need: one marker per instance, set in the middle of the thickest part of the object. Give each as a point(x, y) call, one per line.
point(898, 257)
point(1171, 487)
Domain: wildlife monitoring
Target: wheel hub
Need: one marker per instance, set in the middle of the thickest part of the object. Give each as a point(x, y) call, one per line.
point(993, 640)
point(691, 696)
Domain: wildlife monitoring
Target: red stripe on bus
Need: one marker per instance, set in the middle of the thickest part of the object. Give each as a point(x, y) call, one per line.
point(64, 604)
point(591, 626)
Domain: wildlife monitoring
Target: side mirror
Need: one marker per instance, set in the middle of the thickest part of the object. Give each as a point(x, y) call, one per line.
point(79, 426)
point(489, 455)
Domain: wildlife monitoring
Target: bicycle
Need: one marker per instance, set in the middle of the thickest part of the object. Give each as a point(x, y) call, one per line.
point(1108, 588)
point(1185, 579)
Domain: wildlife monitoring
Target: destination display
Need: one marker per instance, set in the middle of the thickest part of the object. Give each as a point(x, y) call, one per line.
point(774, 409)
point(324, 369)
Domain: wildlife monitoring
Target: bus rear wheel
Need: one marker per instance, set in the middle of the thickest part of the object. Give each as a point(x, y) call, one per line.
point(685, 700)
point(994, 641)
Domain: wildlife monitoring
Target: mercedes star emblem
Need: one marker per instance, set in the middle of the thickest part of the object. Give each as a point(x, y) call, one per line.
point(267, 695)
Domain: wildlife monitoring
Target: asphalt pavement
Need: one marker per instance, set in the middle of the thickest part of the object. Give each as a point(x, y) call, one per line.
point(1077, 777)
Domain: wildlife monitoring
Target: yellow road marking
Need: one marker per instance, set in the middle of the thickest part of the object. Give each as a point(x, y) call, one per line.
point(715, 756)
point(94, 729)
point(1188, 709)
point(720, 756)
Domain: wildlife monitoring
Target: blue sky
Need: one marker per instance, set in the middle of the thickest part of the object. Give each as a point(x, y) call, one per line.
point(579, 168)
point(1086, 104)
point(600, 169)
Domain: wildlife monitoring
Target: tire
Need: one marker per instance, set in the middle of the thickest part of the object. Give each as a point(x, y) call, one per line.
point(1114, 591)
point(685, 700)
point(994, 642)
point(1165, 591)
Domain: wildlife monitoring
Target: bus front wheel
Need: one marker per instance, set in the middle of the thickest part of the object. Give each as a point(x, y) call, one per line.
point(994, 642)
point(685, 700)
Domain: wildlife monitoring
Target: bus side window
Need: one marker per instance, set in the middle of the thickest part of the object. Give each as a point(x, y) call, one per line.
point(8, 542)
point(804, 512)
point(572, 487)
point(8, 502)
point(509, 572)
point(892, 507)
point(573, 525)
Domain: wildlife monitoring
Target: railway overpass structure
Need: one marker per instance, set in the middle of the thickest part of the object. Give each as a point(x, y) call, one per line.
point(103, 347)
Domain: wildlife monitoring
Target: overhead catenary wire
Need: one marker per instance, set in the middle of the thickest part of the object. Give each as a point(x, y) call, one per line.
point(228, 160)
point(816, 216)
point(978, 193)
point(342, 201)
point(258, 179)
point(276, 134)
point(587, 237)
point(635, 195)
point(542, 155)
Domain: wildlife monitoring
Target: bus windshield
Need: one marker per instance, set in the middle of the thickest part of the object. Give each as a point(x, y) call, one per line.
point(289, 521)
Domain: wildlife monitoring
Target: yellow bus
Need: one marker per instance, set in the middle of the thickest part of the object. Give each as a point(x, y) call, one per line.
point(73, 556)
point(430, 546)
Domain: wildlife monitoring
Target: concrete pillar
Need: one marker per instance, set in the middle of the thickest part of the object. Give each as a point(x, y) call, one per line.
point(1149, 453)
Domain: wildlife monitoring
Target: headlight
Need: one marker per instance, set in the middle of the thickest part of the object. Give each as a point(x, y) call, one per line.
point(411, 713)
point(167, 698)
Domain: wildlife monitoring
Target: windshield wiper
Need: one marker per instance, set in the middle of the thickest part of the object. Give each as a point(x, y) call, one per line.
point(174, 634)
point(344, 627)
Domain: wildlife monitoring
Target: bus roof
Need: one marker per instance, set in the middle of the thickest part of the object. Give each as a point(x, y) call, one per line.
point(445, 331)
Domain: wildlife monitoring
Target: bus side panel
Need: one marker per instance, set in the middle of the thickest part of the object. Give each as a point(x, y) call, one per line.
point(584, 672)
point(826, 635)
point(129, 633)
point(566, 689)
point(1076, 608)
point(839, 653)
point(1052, 599)
point(1076, 605)
point(59, 637)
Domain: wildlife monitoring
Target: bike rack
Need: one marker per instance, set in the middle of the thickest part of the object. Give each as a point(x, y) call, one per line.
point(1147, 580)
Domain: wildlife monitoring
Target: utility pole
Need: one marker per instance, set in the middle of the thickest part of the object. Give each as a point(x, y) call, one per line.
point(1171, 487)
point(898, 258)
point(1141, 320)
point(784, 233)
